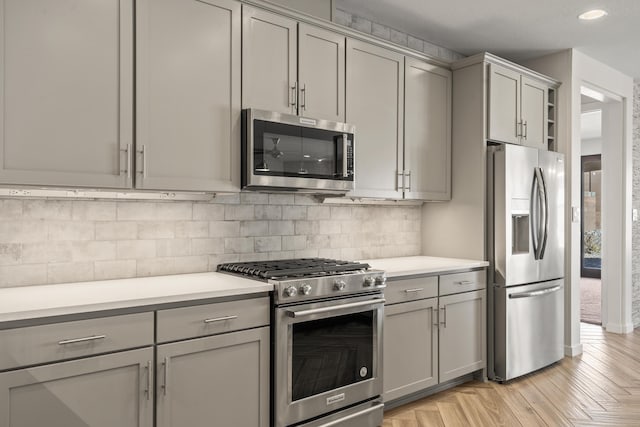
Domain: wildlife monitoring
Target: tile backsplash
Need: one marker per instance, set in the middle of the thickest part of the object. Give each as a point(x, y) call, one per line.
point(57, 241)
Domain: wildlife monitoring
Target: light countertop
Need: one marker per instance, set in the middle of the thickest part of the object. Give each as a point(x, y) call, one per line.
point(32, 302)
point(423, 265)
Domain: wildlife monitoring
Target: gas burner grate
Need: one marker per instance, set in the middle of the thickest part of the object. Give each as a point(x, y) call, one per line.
point(299, 267)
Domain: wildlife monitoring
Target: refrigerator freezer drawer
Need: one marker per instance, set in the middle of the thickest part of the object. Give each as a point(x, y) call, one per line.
point(529, 327)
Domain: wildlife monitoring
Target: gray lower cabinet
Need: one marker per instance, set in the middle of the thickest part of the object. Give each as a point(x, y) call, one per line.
point(462, 334)
point(188, 95)
point(410, 347)
point(100, 391)
point(221, 380)
point(434, 331)
point(66, 92)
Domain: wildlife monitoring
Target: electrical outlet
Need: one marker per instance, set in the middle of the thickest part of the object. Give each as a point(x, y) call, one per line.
point(575, 214)
point(634, 215)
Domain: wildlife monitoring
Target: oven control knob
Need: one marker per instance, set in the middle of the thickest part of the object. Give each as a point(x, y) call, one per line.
point(368, 282)
point(339, 285)
point(291, 291)
point(305, 289)
point(381, 280)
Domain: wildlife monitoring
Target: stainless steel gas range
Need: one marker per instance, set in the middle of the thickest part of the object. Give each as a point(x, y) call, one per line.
point(327, 340)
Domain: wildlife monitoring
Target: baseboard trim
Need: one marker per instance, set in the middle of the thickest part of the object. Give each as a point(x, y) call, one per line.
point(573, 350)
point(618, 328)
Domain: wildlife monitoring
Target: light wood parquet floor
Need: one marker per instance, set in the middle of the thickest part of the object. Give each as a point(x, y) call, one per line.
point(601, 387)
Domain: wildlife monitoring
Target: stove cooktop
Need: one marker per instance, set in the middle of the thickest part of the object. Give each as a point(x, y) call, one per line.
point(290, 268)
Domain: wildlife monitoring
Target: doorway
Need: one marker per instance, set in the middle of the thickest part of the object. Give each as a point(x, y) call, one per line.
point(591, 211)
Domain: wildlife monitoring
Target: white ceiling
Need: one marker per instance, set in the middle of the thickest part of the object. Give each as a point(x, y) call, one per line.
point(515, 29)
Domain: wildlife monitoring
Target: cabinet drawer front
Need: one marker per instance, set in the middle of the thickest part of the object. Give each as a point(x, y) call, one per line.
point(411, 289)
point(462, 282)
point(209, 319)
point(59, 341)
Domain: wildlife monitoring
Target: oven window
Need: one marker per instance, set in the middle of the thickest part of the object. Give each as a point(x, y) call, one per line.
point(331, 353)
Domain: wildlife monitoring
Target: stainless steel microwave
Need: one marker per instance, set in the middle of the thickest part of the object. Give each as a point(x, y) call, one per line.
point(287, 152)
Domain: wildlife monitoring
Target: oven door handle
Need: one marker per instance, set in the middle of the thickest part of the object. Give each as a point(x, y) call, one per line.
point(304, 313)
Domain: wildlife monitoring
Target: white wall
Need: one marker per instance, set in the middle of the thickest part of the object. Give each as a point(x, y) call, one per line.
point(575, 69)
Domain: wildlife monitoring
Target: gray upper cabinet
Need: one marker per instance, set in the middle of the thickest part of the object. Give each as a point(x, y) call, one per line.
point(269, 61)
point(534, 113)
point(221, 380)
point(66, 72)
point(427, 131)
point(321, 73)
point(101, 391)
point(305, 74)
point(374, 104)
point(517, 108)
point(188, 95)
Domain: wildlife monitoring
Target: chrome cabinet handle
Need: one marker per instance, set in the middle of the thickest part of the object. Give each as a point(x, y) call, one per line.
point(148, 389)
point(518, 128)
point(143, 153)
point(84, 339)
point(294, 94)
point(444, 316)
point(303, 95)
point(464, 282)
point(220, 319)
point(165, 384)
point(127, 153)
point(400, 181)
point(408, 174)
point(525, 129)
point(436, 316)
point(304, 313)
point(409, 291)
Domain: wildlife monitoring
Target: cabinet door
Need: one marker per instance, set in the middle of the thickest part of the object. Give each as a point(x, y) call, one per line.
point(534, 113)
point(462, 334)
point(321, 73)
point(102, 391)
point(427, 131)
point(221, 380)
point(188, 75)
point(504, 105)
point(410, 348)
point(375, 100)
point(269, 61)
point(66, 92)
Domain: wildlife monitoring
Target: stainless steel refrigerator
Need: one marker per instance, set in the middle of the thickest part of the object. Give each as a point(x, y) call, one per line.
point(526, 251)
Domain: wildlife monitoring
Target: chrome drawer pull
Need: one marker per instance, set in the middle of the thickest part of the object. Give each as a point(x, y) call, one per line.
point(409, 291)
point(464, 282)
point(220, 319)
point(85, 339)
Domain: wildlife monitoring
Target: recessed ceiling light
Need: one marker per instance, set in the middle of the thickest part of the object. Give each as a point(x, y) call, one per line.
point(590, 15)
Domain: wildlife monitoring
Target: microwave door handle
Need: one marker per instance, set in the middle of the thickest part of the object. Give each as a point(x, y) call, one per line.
point(345, 153)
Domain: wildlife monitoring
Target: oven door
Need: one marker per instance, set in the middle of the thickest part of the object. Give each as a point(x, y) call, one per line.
point(327, 356)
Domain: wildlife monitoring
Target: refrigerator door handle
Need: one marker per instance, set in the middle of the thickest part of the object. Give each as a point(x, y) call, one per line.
point(545, 211)
point(536, 293)
point(535, 215)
